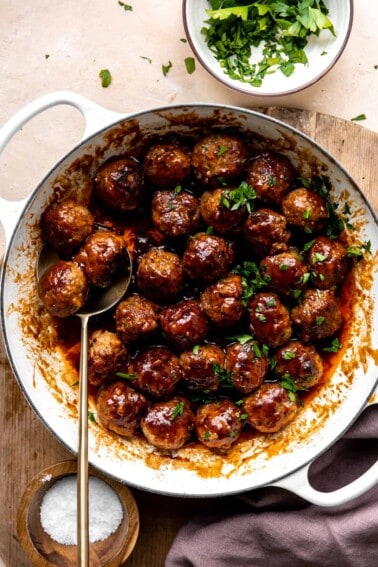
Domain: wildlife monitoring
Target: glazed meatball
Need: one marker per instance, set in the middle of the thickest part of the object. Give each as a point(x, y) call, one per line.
point(156, 371)
point(269, 319)
point(299, 361)
point(199, 367)
point(63, 288)
point(119, 182)
point(219, 215)
point(269, 408)
point(328, 261)
point(120, 408)
point(222, 302)
point(160, 275)
point(175, 213)
point(207, 257)
point(305, 209)
point(184, 324)
point(219, 158)
point(218, 424)
point(65, 226)
point(247, 365)
point(286, 272)
point(271, 175)
point(318, 316)
point(103, 254)
point(266, 231)
point(106, 355)
point(168, 424)
point(167, 164)
point(136, 318)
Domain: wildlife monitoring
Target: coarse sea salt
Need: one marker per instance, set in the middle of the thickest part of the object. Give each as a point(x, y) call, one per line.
point(59, 510)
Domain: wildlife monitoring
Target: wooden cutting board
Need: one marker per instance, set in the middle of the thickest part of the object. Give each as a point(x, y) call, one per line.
point(26, 447)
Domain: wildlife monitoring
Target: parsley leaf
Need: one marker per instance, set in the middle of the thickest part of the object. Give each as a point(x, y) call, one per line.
point(106, 78)
point(190, 64)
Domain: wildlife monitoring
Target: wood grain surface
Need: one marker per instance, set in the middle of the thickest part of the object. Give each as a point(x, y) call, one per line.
point(27, 447)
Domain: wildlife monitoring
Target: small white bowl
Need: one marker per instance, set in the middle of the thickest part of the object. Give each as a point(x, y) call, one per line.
point(322, 52)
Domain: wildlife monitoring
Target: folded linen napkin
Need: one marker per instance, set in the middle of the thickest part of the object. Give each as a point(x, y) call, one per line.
point(280, 529)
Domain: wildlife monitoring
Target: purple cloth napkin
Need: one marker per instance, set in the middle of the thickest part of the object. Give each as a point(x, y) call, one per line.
point(279, 529)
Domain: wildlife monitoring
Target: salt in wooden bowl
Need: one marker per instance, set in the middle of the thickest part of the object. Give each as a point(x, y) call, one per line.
point(44, 551)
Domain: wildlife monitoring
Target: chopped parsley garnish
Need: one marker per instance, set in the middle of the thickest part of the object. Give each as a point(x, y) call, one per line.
point(334, 347)
point(359, 117)
point(126, 7)
point(125, 376)
point(318, 257)
point(242, 339)
point(146, 58)
point(177, 410)
point(106, 78)
point(357, 251)
point(91, 417)
point(236, 32)
point(166, 68)
point(190, 65)
point(242, 196)
point(252, 279)
point(288, 355)
point(320, 320)
point(196, 349)
point(223, 375)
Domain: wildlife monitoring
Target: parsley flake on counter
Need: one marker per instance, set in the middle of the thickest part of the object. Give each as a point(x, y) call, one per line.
point(126, 7)
point(146, 58)
point(253, 39)
point(359, 117)
point(166, 68)
point(190, 65)
point(106, 78)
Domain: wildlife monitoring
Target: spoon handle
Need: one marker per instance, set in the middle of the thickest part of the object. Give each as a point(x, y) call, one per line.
point(82, 478)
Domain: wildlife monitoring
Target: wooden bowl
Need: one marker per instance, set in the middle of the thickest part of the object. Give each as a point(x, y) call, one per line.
point(44, 551)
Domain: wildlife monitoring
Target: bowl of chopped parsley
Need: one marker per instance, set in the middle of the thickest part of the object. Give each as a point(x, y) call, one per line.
point(268, 47)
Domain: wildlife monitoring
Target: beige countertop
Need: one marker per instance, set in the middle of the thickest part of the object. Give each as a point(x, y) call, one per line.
point(54, 45)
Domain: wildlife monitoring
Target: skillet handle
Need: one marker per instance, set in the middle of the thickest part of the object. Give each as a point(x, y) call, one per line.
point(96, 117)
point(298, 483)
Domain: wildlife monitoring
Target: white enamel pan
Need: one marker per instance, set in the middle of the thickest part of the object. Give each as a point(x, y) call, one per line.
point(46, 380)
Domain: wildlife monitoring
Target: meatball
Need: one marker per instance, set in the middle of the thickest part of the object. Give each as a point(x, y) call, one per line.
point(103, 254)
point(65, 226)
point(199, 367)
point(167, 164)
point(136, 318)
point(269, 408)
point(318, 316)
point(266, 231)
point(328, 261)
point(219, 158)
point(218, 424)
point(63, 288)
point(120, 408)
point(106, 355)
point(168, 424)
point(305, 209)
point(156, 371)
point(269, 319)
point(299, 361)
point(222, 302)
point(184, 324)
point(119, 182)
point(247, 365)
point(160, 275)
point(175, 213)
point(271, 175)
point(285, 272)
point(218, 213)
point(207, 257)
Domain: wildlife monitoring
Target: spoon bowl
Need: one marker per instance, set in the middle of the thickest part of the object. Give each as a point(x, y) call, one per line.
point(102, 300)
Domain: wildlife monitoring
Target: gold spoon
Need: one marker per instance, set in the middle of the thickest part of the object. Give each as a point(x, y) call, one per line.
point(102, 301)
